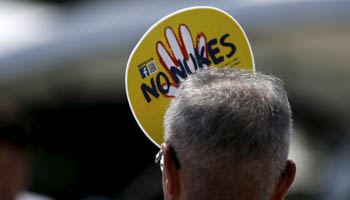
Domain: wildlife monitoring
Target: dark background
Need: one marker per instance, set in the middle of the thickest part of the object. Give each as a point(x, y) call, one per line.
point(87, 149)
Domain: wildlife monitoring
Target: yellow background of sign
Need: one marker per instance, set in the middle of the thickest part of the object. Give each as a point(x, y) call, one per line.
point(213, 23)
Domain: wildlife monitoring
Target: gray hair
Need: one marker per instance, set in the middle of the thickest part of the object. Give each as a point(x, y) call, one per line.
point(231, 132)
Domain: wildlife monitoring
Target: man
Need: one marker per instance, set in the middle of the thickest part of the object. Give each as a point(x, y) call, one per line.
point(14, 156)
point(226, 136)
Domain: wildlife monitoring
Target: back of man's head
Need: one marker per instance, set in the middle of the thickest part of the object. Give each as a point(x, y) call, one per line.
point(230, 130)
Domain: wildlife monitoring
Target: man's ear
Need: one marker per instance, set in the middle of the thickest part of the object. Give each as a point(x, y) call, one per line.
point(171, 175)
point(285, 181)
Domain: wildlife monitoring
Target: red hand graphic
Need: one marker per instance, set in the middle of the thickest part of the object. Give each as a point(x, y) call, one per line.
point(184, 58)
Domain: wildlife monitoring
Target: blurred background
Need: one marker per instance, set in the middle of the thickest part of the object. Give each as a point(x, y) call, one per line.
point(62, 68)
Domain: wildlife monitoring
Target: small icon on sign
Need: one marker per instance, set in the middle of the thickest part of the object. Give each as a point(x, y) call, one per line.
point(144, 72)
point(152, 67)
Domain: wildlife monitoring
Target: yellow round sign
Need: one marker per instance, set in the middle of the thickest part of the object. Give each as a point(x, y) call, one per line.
point(178, 45)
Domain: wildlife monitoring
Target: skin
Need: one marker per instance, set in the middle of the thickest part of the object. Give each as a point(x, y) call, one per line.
point(173, 179)
point(13, 171)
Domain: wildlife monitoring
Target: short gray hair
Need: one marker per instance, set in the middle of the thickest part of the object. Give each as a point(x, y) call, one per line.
point(231, 130)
